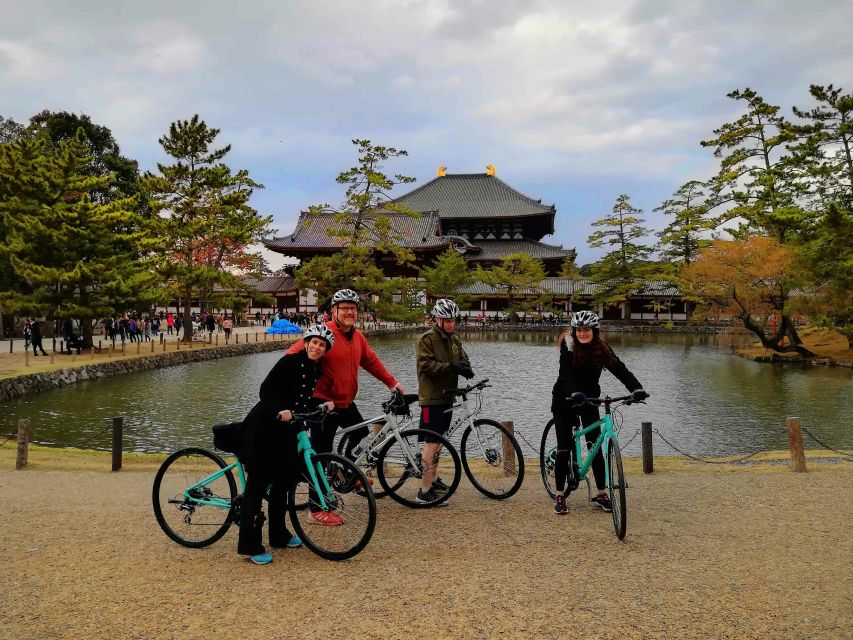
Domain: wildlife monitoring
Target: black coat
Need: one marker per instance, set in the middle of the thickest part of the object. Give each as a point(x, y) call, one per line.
point(35, 333)
point(585, 379)
point(269, 446)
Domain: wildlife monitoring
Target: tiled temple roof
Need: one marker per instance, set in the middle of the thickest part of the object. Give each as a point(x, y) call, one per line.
point(473, 195)
point(412, 233)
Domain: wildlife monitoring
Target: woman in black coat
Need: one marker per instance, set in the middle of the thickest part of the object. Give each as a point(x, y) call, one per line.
point(269, 443)
point(583, 355)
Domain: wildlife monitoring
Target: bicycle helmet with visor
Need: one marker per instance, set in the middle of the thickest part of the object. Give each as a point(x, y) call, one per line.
point(320, 331)
point(445, 308)
point(585, 319)
point(345, 295)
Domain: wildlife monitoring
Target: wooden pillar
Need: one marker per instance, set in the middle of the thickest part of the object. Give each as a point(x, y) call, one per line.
point(138, 347)
point(118, 427)
point(236, 338)
point(26, 357)
point(795, 445)
point(23, 443)
point(648, 453)
point(510, 463)
point(217, 340)
point(152, 346)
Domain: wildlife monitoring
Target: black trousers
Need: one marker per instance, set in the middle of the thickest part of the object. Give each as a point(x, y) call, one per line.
point(37, 345)
point(250, 539)
point(323, 439)
point(564, 421)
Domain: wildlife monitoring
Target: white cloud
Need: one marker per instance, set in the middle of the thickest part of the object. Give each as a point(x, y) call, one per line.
point(22, 62)
point(165, 49)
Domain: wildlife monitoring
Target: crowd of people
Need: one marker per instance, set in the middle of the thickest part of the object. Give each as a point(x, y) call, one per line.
point(322, 370)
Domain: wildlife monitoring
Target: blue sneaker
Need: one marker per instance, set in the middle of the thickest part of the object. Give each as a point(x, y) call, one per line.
point(294, 542)
point(261, 558)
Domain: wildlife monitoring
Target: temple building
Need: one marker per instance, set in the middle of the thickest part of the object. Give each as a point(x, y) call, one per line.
point(478, 214)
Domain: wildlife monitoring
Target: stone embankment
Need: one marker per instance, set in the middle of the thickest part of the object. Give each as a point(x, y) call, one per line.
point(607, 327)
point(37, 382)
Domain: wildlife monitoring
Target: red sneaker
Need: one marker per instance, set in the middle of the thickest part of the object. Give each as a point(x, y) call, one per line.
point(326, 519)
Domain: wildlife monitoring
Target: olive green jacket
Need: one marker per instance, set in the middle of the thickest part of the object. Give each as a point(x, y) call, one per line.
point(436, 350)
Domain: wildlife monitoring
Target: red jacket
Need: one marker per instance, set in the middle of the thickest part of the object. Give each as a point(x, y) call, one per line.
point(339, 379)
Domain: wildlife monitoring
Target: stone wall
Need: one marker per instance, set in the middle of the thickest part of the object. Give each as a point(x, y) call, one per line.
point(36, 382)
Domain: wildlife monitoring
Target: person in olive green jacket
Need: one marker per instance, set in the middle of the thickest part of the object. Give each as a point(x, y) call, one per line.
point(441, 359)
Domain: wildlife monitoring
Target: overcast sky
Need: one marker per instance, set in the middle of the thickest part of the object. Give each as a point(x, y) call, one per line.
point(572, 102)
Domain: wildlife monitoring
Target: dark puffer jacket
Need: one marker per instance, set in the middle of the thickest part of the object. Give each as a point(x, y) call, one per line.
point(269, 446)
point(585, 379)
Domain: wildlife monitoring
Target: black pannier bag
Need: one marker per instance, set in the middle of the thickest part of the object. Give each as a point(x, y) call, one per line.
point(228, 437)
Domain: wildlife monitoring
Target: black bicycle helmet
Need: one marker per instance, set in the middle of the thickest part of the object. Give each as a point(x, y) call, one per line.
point(320, 331)
point(445, 308)
point(588, 319)
point(345, 295)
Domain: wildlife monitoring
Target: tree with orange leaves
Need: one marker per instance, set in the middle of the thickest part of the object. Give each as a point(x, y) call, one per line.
point(751, 279)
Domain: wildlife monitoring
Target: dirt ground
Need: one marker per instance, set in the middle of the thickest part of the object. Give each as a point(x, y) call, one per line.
point(740, 554)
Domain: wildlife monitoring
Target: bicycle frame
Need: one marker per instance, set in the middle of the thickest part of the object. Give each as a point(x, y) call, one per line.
point(389, 431)
point(303, 447)
point(585, 462)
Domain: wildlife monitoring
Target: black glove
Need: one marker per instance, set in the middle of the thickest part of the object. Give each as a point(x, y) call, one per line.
point(462, 368)
point(577, 398)
point(639, 394)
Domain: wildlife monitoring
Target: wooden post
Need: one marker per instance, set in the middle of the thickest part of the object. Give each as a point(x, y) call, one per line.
point(164, 346)
point(177, 345)
point(52, 356)
point(510, 463)
point(26, 357)
point(795, 445)
point(265, 336)
point(138, 348)
point(23, 443)
point(118, 427)
point(256, 336)
point(92, 352)
point(216, 344)
point(122, 347)
point(152, 346)
point(11, 344)
point(236, 338)
point(648, 453)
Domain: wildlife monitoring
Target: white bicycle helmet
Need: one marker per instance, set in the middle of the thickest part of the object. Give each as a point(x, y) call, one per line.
point(588, 319)
point(345, 295)
point(320, 331)
point(445, 308)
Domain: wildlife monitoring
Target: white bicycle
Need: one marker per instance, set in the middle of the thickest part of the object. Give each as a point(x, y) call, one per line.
point(393, 449)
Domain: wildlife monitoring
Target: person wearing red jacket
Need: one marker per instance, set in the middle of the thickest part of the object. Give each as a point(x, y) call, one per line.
point(338, 381)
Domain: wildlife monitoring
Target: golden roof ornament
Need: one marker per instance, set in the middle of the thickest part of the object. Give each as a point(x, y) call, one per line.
point(442, 170)
point(490, 170)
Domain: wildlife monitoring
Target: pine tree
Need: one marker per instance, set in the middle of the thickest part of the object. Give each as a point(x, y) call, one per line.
point(682, 239)
point(202, 216)
point(518, 276)
point(755, 185)
point(75, 254)
point(618, 270)
point(447, 276)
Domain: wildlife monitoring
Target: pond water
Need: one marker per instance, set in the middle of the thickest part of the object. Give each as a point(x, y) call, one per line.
point(704, 400)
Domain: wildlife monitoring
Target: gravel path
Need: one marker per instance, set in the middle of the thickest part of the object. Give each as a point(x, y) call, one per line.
point(708, 555)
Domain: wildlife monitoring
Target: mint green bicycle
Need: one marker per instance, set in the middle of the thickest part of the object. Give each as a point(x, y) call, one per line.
point(580, 465)
point(196, 501)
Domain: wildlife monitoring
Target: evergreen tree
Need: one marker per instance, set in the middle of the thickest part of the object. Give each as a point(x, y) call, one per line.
point(75, 254)
point(617, 271)
point(10, 130)
point(202, 217)
point(447, 276)
point(518, 276)
point(105, 159)
point(754, 183)
point(681, 240)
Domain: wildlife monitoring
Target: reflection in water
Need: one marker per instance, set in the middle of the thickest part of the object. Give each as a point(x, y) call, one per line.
point(704, 400)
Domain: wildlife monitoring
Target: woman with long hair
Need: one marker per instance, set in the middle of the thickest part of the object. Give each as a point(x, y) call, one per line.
point(583, 356)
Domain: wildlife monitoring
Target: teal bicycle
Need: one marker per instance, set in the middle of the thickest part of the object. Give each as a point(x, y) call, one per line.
point(580, 465)
point(196, 500)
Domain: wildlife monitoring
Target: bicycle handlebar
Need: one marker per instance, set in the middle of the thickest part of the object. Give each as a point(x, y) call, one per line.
point(463, 391)
point(579, 398)
point(320, 412)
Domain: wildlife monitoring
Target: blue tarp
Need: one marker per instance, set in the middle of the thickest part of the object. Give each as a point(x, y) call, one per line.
point(283, 326)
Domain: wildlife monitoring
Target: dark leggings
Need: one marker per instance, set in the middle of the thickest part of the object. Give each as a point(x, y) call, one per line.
point(563, 424)
point(323, 438)
point(250, 539)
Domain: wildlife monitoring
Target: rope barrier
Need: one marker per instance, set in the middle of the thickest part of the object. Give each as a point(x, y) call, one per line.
point(706, 461)
point(844, 455)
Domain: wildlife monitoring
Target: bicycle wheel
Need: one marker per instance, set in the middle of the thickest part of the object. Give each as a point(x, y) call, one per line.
point(492, 459)
point(400, 467)
point(616, 486)
point(185, 515)
point(355, 510)
point(547, 459)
